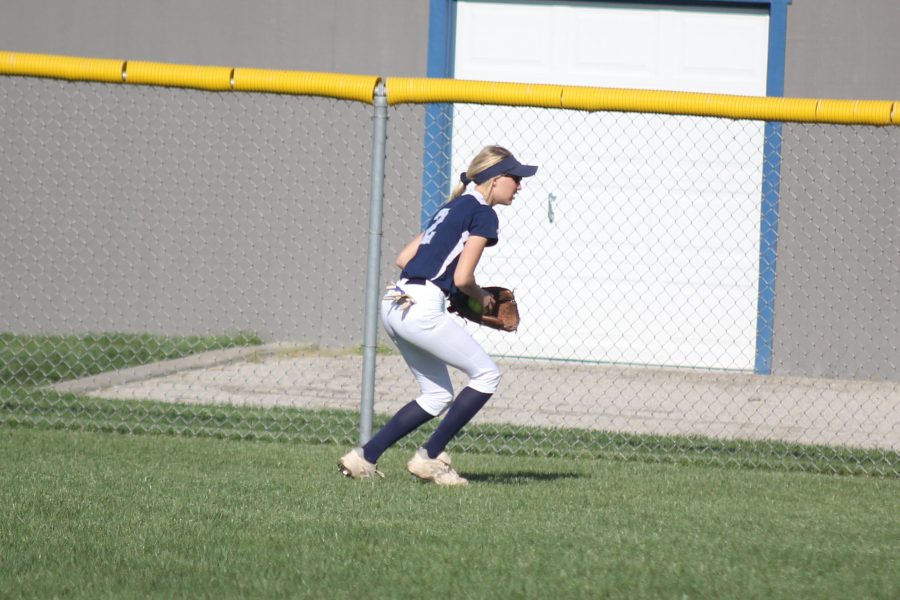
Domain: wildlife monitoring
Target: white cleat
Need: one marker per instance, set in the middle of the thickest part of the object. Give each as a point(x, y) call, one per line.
point(355, 466)
point(437, 470)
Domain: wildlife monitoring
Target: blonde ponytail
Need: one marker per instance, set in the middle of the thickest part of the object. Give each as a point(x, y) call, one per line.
point(488, 157)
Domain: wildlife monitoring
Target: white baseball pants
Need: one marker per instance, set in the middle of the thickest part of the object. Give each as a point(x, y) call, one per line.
point(429, 340)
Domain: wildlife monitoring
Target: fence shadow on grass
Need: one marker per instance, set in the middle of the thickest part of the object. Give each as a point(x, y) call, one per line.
point(519, 477)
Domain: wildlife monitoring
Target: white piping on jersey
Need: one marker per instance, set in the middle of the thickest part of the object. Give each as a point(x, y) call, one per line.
point(457, 250)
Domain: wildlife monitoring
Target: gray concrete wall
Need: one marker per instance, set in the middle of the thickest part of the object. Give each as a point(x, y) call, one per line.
point(837, 300)
point(146, 209)
point(843, 49)
point(343, 36)
point(836, 312)
point(227, 212)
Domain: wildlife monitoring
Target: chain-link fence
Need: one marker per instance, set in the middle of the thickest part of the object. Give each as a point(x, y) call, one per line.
point(642, 256)
point(692, 288)
point(159, 214)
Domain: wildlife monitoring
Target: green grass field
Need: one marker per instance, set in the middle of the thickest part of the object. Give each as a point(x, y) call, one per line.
point(95, 515)
point(33, 360)
point(237, 502)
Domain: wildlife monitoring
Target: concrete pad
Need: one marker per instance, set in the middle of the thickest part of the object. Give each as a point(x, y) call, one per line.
point(611, 398)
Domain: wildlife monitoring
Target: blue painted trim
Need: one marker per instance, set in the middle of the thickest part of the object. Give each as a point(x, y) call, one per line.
point(777, 46)
point(441, 37)
point(768, 248)
point(436, 175)
point(771, 194)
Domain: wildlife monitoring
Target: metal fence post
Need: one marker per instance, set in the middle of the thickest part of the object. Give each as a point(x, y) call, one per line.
point(373, 276)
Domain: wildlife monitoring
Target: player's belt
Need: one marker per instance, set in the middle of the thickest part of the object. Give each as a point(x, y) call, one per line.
point(417, 280)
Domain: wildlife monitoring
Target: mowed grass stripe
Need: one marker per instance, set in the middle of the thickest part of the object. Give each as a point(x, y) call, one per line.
point(47, 409)
point(97, 515)
point(28, 362)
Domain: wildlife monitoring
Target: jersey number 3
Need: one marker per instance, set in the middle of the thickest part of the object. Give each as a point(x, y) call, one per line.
point(438, 219)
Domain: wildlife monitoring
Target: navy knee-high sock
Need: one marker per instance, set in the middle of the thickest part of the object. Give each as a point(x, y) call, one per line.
point(407, 419)
point(466, 406)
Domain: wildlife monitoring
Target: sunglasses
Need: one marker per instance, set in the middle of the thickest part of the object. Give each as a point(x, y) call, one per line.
point(516, 178)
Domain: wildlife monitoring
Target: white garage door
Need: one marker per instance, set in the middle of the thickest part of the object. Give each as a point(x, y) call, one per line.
point(651, 222)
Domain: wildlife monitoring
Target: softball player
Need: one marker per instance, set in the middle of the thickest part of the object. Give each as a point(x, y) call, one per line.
point(438, 262)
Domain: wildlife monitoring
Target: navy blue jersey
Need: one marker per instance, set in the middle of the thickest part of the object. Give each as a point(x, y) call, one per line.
point(443, 239)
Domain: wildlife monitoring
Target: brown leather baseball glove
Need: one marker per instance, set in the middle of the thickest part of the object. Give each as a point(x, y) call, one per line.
point(503, 316)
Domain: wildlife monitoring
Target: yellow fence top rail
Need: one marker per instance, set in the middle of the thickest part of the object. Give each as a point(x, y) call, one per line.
point(334, 85)
point(61, 67)
point(412, 90)
point(858, 112)
point(213, 78)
